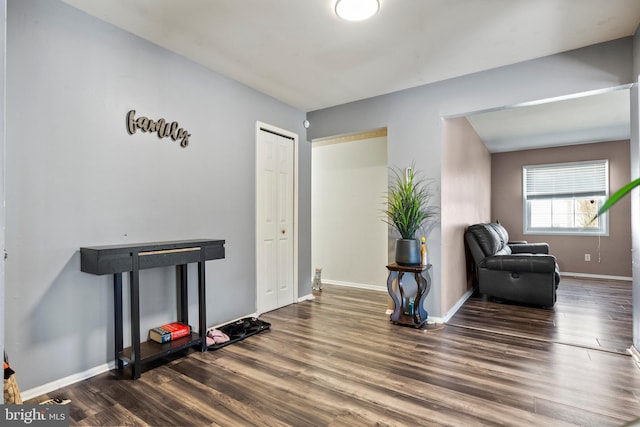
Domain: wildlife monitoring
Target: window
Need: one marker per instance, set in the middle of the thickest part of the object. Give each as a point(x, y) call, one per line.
point(564, 198)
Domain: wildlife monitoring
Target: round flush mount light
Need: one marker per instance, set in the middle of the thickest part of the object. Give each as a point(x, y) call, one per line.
point(357, 10)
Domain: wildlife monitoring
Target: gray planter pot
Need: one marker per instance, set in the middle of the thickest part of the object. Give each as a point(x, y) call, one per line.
point(407, 252)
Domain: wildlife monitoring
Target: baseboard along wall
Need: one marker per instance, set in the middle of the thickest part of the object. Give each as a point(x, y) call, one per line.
point(382, 288)
point(91, 372)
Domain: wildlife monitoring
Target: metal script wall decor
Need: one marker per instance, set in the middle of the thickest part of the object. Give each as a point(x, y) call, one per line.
point(160, 126)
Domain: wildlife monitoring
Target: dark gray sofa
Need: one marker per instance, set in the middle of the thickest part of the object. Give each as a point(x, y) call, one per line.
point(512, 271)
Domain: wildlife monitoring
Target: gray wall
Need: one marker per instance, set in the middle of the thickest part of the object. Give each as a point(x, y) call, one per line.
point(78, 179)
point(3, 57)
point(414, 117)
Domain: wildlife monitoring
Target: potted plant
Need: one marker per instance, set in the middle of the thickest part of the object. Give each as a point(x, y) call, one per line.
point(407, 210)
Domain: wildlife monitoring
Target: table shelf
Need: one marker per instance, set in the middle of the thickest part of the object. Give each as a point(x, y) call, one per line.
point(151, 350)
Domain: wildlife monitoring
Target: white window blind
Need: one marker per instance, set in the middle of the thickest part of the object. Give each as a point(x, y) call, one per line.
point(564, 198)
point(583, 179)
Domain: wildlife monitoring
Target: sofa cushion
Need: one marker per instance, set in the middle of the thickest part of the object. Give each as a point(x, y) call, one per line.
point(501, 232)
point(489, 240)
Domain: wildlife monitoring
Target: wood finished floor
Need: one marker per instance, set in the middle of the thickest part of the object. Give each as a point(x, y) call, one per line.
point(589, 313)
point(338, 361)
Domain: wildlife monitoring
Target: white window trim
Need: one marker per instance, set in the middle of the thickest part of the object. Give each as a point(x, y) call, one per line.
point(603, 231)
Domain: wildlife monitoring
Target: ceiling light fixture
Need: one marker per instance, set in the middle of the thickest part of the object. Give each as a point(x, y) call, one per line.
point(357, 10)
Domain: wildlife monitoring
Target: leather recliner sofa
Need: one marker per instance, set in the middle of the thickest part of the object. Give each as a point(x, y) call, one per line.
point(512, 271)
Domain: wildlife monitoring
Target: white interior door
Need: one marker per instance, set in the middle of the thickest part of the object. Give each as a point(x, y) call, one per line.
point(275, 213)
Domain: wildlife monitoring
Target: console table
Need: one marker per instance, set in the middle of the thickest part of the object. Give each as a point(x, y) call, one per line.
point(117, 259)
point(404, 312)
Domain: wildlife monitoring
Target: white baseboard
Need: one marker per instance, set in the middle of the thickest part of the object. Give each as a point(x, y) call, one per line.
point(306, 298)
point(457, 306)
point(450, 313)
point(63, 382)
point(72, 379)
point(596, 276)
point(431, 319)
point(356, 285)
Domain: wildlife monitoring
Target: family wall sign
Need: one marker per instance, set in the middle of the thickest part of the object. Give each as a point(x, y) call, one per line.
point(161, 127)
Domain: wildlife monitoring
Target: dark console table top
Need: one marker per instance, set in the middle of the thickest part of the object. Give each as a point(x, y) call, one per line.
point(118, 258)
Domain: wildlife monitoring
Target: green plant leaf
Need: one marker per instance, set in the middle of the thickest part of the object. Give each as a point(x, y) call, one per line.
point(407, 203)
point(615, 197)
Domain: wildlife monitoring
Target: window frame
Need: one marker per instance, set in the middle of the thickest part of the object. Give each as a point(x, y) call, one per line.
point(603, 230)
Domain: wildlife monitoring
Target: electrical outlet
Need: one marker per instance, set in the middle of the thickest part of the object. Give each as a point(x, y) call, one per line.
point(587, 257)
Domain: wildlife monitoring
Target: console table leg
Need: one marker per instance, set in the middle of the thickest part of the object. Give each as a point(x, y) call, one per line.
point(396, 310)
point(134, 281)
point(420, 315)
point(425, 286)
point(183, 301)
point(117, 305)
point(202, 303)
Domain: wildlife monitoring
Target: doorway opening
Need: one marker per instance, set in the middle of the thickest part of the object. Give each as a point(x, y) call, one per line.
point(581, 127)
point(348, 186)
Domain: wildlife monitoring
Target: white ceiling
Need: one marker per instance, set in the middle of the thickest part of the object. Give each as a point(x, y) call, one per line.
point(299, 52)
point(581, 120)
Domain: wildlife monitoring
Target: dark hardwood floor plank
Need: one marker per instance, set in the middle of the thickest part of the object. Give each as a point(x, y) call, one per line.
point(589, 313)
point(217, 406)
point(114, 416)
point(337, 360)
point(576, 416)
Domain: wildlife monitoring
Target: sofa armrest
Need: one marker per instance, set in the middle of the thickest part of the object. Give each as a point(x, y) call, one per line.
point(529, 248)
point(533, 263)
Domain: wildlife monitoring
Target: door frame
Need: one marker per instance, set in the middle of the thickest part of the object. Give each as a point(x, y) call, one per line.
point(274, 129)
